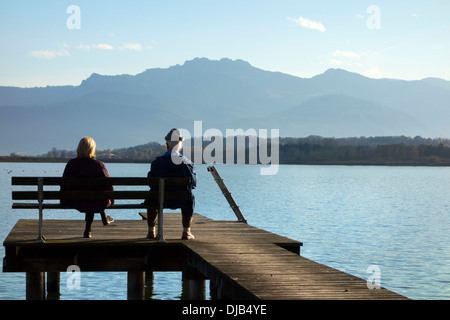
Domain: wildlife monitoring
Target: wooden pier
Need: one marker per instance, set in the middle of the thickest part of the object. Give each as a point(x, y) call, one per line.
point(241, 261)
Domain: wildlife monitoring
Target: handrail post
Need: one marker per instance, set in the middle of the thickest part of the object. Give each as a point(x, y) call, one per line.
point(41, 209)
point(160, 235)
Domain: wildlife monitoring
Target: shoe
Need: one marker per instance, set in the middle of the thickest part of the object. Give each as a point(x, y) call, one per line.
point(187, 236)
point(151, 235)
point(108, 220)
point(87, 234)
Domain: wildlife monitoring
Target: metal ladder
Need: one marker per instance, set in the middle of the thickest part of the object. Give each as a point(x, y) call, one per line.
point(227, 194)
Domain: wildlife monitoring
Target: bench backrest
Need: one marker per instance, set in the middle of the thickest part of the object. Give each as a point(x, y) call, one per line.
point(99, 194)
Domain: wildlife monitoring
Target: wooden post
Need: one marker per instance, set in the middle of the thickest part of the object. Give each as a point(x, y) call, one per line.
point(136, 285)
point(216, 289)
point(35, 285)
point(149, 285)
point(194, 284)
point(197, 289)
point(53, 282)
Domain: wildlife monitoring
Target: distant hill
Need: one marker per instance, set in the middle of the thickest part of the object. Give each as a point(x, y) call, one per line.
point(123, 110)
point(343, 116)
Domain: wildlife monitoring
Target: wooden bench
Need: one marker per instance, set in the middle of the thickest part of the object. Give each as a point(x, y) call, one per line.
point(41, 198)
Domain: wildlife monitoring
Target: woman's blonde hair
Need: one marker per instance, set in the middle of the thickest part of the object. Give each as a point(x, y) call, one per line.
point(86, 148)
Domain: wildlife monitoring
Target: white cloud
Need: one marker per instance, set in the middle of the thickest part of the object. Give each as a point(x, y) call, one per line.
point(49, 54)
point(103, 46)
point(335, 63)
point(345, 58)
point(347, 54)
point(83, 47)
point(305, 23)
point(131, 46)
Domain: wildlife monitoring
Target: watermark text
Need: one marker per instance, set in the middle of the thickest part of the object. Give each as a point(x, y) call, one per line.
point(374, 280)
point(236, 146)
point(74, 20)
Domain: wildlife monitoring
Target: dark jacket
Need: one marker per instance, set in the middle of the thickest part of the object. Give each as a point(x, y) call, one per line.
point(164, 167)
point(82, 167)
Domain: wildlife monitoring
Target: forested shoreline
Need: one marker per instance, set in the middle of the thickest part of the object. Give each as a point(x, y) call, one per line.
point(399, 150)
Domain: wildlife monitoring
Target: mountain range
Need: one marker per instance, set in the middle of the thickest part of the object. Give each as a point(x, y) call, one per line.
point(126, 110)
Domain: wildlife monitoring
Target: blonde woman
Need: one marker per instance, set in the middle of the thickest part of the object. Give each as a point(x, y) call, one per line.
point(85, 165)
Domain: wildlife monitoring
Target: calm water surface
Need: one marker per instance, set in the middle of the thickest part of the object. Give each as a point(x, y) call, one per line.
point(348, 217)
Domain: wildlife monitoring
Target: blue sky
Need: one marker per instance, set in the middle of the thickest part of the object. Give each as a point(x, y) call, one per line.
point(380, 39)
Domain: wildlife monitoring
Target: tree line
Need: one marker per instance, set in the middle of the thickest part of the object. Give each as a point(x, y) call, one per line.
point(330, 151)
point(395, 150)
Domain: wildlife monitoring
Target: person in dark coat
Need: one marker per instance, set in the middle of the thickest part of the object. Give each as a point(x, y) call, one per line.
point(173, 164)
point(85, 165)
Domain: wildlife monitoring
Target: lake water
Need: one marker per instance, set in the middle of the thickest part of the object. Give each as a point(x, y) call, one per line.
point(348, 217)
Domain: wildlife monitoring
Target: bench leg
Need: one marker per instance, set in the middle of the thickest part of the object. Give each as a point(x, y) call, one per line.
point(160, 235)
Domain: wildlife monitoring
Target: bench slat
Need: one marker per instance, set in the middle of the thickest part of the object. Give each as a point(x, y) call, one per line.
point(35, 206)
point(116, 181)
point(99, 195)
